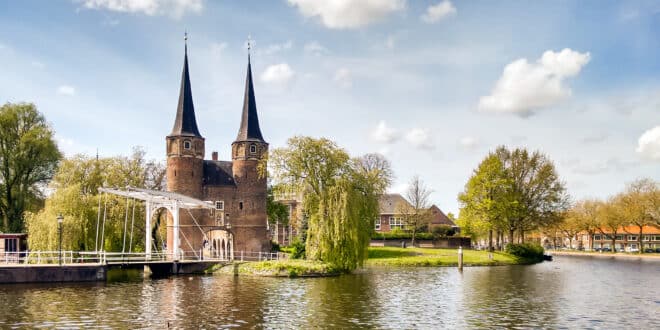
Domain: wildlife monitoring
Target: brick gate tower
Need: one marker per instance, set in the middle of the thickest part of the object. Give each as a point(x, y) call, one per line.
point(236, 188)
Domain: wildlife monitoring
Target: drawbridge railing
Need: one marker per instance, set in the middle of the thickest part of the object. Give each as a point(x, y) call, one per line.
point(27, 258)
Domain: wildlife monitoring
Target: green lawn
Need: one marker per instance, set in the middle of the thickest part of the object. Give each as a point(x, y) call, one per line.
point(415, 257)
point(284, 267)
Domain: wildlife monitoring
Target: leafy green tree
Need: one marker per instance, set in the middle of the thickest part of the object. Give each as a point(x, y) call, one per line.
point(340, 197)
point(278, 213)
point(611, 219)
point(536, 195)
point(77, 199)
point(486, 199)
point(637, 205)
point(28, 160)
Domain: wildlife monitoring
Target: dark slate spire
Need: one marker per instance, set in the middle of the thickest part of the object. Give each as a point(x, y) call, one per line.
point(249, 130)
point(185, 123)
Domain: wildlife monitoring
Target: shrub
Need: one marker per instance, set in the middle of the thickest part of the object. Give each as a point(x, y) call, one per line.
point(525, 250)
point(443, 231)
point(274, 246)
point(399, 234)
point(297, 249)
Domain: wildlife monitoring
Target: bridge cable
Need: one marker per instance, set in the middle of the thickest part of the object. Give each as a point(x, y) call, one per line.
point(130, 244)
point(197, 224)
point(98, 220)
point(123, 244)
point(105, 211)
point(188, 242)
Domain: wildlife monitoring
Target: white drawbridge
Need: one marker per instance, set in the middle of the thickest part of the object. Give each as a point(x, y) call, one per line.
point(154, 200)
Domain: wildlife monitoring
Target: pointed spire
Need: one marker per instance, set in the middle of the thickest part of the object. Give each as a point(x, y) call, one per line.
point(185, 122)
point(249, 130)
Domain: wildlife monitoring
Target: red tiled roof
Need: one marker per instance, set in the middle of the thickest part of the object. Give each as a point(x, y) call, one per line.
point(646, 230)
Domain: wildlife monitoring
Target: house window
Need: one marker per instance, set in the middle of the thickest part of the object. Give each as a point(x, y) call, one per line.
point(396, 222)
point(632, 237)
point(186, 145)
point(597, 238)
point(220, 205)
point(377, 224)
point(646, 238)
point(656, 238)
point(253, 148)
point(619, 237)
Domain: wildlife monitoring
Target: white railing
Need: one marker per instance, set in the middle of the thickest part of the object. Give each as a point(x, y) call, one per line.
point(104, 257)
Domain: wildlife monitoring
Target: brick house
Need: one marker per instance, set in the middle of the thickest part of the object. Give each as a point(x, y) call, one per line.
point(391, 218)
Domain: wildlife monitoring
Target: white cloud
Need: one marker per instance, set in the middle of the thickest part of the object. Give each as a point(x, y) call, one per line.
point(437, 12)
point(400, 188)
point(275, 48)
point(648, 145)
point(173, 8)
point(278, 74)
point(420, 138)
point(66, 90)
point(469, 142)
point(348, 14)
point(343, 78)
point(384, 134)
point(315, 48)
point(526, 87)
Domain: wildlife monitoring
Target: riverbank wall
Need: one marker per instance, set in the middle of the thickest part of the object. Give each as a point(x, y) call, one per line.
point(52, 273)
point(442, 243)
point(649, 257)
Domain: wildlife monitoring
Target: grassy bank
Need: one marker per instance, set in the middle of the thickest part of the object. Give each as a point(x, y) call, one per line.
point(418, 257)
point(279, 268)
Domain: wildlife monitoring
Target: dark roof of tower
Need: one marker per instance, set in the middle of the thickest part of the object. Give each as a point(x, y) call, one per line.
point(249, 130)
point(185, 122)
point(218, 173)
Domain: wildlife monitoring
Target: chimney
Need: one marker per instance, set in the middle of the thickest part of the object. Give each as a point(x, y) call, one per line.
point(214, 155)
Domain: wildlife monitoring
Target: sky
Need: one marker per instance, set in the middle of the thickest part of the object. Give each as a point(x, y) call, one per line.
point(432, 85)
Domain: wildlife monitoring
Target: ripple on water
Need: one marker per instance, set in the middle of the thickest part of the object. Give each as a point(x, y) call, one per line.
point(567, 293)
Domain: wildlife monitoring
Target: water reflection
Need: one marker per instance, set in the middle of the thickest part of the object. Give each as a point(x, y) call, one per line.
point(569, 292)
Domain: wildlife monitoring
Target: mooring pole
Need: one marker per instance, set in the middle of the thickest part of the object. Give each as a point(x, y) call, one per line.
point(460, 258)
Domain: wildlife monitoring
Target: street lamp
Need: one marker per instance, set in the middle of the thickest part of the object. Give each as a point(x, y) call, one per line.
point(60, 219)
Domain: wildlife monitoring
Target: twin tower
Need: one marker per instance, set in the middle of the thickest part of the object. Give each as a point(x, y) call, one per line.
point(236, 188)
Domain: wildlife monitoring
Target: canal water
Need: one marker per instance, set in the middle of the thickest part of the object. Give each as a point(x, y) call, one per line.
point(570, 292)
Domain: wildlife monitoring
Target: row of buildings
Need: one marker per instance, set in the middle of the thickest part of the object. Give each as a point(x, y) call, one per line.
point(390, 219)
point(626, 239)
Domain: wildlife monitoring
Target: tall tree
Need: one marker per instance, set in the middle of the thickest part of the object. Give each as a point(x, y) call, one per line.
point(416, 212)
point(637, 205)
point(611, 219)
point(340, 197)
point(536, 195)
point(485, 201)
point(28, 159)
point(76, 197)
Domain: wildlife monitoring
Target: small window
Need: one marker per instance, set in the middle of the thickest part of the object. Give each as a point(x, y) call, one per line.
point(597, 237)
point(377, 224)
point(220, 205)
point(186, 145)
point(632, 238)
point(396, 222)
point(253, 148)
point(240, 205)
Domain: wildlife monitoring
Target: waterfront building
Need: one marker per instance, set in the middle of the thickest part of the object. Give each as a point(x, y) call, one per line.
point(235, 187)
point(11, 246)
point(391, 217)
point(626, 239)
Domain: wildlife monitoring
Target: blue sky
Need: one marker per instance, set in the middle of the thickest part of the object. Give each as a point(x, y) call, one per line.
point(433, 85)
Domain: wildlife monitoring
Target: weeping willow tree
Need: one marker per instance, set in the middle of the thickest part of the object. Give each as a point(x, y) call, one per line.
point(76, 198)
point(340, 196)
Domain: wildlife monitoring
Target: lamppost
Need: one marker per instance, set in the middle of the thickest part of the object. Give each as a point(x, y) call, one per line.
point(60, 219)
